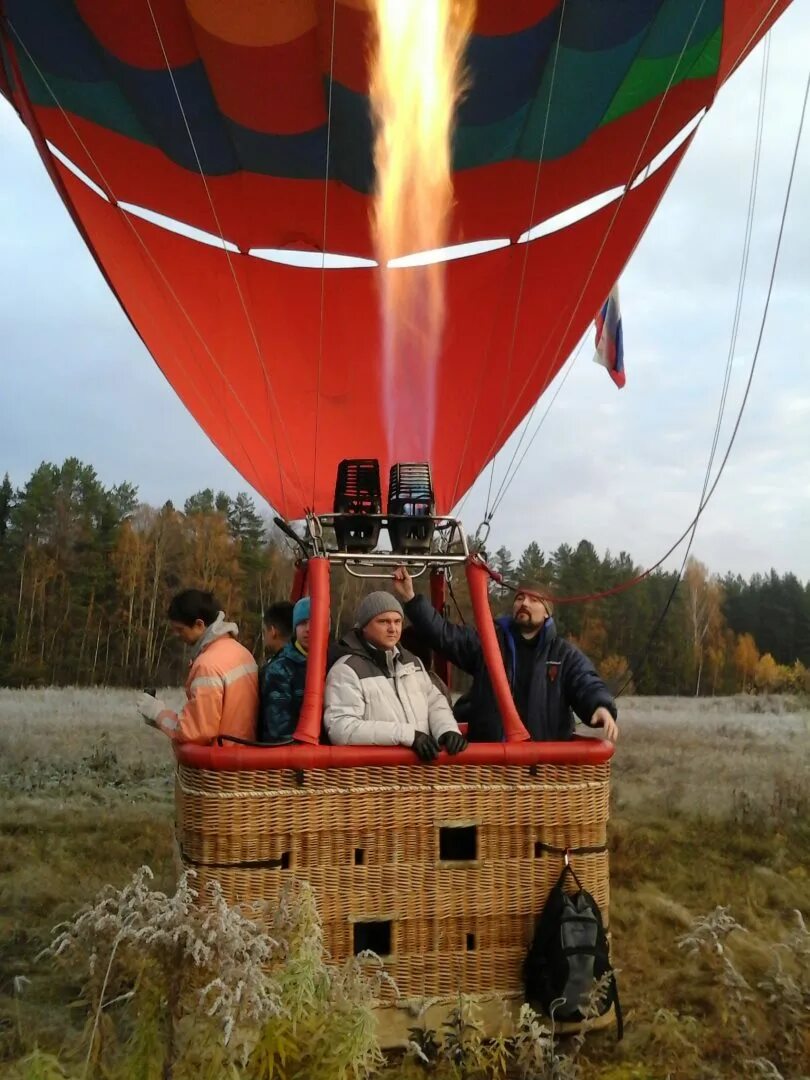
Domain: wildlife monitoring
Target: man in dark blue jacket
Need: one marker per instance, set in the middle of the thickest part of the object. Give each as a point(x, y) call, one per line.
point(550, 678)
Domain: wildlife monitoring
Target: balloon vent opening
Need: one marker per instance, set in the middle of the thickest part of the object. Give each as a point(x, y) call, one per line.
point(411, 508)
point(357, 498)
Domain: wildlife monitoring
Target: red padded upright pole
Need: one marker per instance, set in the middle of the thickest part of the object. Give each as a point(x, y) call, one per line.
point(438, 597)
point(309, 721)
point(299, 585)
point(478, 581)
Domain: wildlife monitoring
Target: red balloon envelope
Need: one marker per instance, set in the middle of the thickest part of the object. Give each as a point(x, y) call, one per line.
point(216, 116)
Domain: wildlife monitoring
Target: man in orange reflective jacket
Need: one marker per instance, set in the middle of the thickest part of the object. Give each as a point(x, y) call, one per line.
point(222, 687)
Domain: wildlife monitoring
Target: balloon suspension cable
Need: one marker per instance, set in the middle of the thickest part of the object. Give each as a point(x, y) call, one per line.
point(456, 604)
point(705, 499)
point(114, 201)
point(511, 473)
point(634, 172)
point(525, 261)
point(272, 400)
point(760, 335)
point(506, 483)
point(291, 534)
point(323, 254)
point(500, 495)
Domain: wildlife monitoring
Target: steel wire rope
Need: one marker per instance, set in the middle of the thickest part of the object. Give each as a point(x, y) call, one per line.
point(630, 582)
point(271, 396)
point(525, 262)
point(575, 354)
point(704, 499)
point(754, 360)
point(152, 259)
point(455, 601)
point(507, 480)
point(504, 280)
point(634, 172)
point(502, 491)
point(323, 253)
point(744, 51)
point(749, 224)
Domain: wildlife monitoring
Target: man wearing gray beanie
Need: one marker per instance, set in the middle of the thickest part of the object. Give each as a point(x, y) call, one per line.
point(378, 694)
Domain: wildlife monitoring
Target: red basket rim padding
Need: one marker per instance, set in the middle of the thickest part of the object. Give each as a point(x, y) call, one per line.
point(234, 758)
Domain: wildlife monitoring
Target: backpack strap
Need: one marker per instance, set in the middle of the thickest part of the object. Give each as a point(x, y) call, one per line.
point(566, 870)
point(614, 986)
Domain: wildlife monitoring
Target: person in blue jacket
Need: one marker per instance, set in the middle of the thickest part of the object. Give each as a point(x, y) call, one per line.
point(282, 679)
point(550, 678)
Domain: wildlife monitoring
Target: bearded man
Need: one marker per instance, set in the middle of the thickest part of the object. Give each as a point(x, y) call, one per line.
point(551, 679)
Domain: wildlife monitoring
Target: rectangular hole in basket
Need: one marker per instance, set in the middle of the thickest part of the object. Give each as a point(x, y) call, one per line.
point(359, 857)
point(284, 861)
point(470, 942)
point(373, 936)
point(458, 843)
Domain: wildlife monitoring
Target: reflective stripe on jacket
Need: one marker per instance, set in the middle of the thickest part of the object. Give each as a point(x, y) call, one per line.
point(222, 691)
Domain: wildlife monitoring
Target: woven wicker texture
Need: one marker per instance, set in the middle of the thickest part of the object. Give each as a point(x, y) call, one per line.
point(458, 860)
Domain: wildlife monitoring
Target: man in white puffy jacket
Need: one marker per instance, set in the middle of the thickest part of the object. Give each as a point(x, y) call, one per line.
point(378, 694)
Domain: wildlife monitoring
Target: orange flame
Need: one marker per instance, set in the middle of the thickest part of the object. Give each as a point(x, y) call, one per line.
point(415, 86)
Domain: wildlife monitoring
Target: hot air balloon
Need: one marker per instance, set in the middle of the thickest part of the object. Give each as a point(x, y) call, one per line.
point(217, 160)
point(157, 112)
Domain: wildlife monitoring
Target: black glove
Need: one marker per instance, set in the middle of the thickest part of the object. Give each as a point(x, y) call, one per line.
point(453, 742)
point(425, 746)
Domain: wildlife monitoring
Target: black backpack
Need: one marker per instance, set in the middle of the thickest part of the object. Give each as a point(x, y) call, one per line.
point(568, 955)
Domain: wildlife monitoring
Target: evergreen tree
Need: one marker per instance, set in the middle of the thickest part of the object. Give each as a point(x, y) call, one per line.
point(6, 504)
point(505, 566)
point(222, 503)
point(245, 523)
point(201, 502)
point(87, 572)
point(532, 565)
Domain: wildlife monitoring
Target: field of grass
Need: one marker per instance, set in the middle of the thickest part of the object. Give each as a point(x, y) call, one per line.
point(711, 808)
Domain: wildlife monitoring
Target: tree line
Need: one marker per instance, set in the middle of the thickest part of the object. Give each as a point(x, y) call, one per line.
point(87, 571)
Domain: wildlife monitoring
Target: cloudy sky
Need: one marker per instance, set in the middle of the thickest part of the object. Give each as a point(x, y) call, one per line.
point(622, 468)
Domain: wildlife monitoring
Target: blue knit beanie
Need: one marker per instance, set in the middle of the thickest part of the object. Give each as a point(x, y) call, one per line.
point(301, 611)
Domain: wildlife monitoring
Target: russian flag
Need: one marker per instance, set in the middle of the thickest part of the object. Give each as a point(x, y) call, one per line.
point(609, 342)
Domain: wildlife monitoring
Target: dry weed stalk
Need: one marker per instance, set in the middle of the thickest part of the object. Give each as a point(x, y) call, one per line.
point(213, 994)
point(209, 958)
point(770, 1019)
point(462, 1052)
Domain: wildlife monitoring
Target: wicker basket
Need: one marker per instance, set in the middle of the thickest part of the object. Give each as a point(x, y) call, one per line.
point(442, 869)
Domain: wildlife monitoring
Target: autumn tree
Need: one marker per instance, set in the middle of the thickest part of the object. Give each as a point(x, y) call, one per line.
point(746, 657)
point(706, 623)
point(592, 639)
point(87, 572)
point(616, 672)
point(766, 674)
